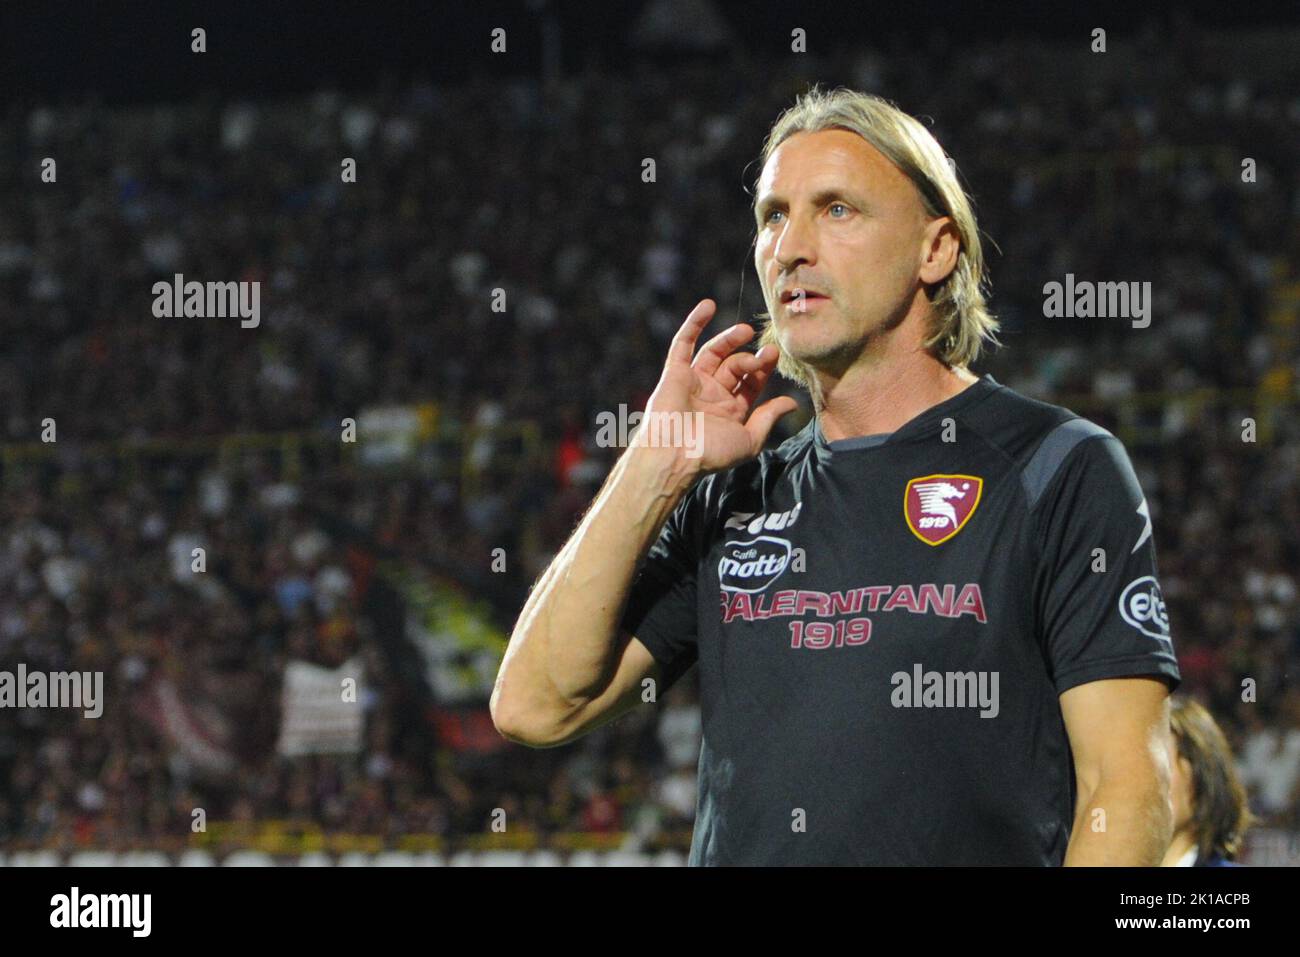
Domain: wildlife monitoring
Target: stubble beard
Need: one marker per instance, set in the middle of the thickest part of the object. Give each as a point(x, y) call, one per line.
point(834, 358)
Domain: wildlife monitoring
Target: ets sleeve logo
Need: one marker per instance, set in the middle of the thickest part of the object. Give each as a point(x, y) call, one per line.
point(1143, 607)
point(937, 507)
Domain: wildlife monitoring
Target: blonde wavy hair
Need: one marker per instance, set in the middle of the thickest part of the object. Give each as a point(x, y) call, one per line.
point(962, 322)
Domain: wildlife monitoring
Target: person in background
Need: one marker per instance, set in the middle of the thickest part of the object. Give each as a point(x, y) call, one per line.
point(1211, 814)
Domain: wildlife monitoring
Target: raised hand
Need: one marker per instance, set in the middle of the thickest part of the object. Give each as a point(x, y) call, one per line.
point(706, 399)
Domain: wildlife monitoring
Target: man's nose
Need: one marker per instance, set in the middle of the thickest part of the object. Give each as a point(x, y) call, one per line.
point(796, 244)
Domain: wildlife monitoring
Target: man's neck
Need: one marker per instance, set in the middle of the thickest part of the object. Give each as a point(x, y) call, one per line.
point(882, 394)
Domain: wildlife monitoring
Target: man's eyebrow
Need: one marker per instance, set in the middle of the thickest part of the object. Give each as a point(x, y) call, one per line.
point(820, 198)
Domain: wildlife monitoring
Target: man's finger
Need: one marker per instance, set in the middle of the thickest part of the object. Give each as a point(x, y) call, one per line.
point(751, 387)
point(721, 346)
point(683, 345)
point(764, 417)
point(734, 368)
point(751, 384)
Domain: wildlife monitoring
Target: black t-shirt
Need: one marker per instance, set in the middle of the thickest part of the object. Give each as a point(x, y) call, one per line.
point(883, 626)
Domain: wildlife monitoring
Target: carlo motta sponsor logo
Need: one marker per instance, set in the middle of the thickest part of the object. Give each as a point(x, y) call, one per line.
point(752, 564)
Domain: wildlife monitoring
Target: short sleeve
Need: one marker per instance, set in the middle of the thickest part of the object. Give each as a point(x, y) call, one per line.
point(1097, 594)
point(662, 608)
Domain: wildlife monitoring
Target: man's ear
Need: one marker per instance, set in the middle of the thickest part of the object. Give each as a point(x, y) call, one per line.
point(939, 251)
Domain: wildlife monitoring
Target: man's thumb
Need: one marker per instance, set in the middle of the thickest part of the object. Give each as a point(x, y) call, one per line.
point(764, 417)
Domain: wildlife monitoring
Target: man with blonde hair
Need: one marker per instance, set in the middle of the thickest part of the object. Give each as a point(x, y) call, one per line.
point(928, 626)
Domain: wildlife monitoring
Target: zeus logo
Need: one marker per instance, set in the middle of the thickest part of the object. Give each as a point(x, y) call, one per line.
point(1143, 607)
point(753, 565)
point(772, 522)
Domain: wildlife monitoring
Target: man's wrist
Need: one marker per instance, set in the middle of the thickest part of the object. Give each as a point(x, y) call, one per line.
point(662, 471)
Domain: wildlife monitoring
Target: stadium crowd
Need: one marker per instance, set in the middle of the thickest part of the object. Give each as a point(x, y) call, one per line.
point(380, 293)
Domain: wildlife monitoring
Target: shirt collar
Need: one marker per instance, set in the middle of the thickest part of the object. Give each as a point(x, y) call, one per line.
point(980, 387)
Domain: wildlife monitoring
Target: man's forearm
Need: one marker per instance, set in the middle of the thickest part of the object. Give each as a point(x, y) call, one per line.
point(563, 644)
point(1121, 824)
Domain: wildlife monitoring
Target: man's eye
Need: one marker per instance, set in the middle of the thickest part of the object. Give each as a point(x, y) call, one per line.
point(841, 206)
point(770, 214)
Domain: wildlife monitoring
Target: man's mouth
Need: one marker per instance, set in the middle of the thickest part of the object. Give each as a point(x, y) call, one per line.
point(798, 299)
point(797, 293)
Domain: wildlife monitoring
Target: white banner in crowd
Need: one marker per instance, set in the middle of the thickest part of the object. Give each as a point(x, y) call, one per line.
point(321, 710)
